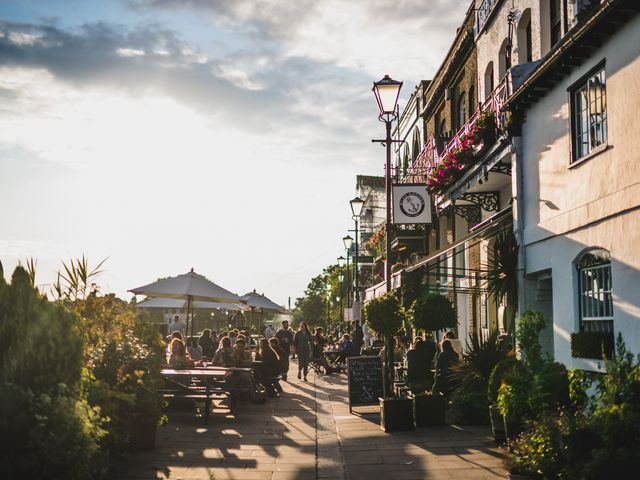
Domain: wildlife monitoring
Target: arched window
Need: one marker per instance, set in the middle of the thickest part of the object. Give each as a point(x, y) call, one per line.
point(461, 113)
point(595, 289)
point(472, 101)
point(525, 46)
point(504, 63)
point(488, 80)
point(405, 161)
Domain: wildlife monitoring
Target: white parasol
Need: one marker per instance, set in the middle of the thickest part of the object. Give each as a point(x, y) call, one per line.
point(190, 287)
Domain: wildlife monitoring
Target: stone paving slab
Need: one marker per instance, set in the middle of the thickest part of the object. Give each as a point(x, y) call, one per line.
point(308, 433)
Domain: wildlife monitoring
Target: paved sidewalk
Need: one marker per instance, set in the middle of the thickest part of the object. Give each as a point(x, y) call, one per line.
point(308, 434)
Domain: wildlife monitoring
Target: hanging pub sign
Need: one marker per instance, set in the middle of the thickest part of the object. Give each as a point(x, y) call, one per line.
point(411, 203)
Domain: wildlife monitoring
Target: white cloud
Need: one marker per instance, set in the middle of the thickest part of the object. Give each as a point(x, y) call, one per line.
point(130, 52)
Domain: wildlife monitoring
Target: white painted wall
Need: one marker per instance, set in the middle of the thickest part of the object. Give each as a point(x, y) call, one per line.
point(593, 204)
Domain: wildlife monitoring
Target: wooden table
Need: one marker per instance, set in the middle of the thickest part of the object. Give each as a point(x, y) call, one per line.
point(208, 382)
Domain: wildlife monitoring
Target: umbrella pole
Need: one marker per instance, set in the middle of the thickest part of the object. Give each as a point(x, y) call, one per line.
point(186, 328)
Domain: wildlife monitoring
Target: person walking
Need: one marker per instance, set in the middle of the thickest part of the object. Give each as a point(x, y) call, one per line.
point(303, 347)
point(268, 332)
point(285, 340)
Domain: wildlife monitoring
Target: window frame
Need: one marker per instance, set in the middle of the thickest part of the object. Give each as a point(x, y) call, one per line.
point(577, 155)
point(595, 297)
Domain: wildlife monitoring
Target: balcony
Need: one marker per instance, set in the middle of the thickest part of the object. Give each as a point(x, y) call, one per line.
point(484, 12)
point(440, 170)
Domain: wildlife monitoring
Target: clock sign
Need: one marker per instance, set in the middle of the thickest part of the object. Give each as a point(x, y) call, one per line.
point(412, 204)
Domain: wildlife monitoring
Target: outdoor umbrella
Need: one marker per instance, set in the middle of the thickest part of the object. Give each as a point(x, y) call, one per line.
point(178, 303)
point(190, 287)
point(263, 304)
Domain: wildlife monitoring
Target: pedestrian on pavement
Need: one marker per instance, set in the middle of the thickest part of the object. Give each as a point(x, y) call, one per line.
point(268, 332)
point(285, 339)
point(366, 335)
point(445, 359)
point(357, 337)
point(303, 347)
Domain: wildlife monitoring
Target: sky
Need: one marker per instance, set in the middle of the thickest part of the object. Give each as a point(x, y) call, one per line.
point(223, 135)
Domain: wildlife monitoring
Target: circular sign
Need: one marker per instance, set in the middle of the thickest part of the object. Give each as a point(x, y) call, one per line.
point(412, 204)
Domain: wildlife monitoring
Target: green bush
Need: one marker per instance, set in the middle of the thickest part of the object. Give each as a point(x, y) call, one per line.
point(384, 314)
point(549, 388)
point(528, 331)
point(497, 377)
point(49, 430)
point(433, 312)
point(596, 345)
point(470, 407)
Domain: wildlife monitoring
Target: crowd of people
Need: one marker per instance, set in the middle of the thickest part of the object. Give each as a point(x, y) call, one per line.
point(426, 363)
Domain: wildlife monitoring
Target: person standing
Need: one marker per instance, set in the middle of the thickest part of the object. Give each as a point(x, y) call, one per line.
point(268, 332)
point(303, 347)
point(357, 337)
point(177, 326)
point(366, 335)
point(285, 339)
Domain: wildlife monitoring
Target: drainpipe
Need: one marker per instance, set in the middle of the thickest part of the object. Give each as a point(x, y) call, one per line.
point(517, 160)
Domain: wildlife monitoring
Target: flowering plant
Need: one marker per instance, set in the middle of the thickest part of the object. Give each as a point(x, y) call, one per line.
point(376, 244)
point(456, 160)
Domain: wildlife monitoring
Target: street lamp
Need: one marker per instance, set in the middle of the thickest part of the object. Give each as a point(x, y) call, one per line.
point(356, 209)
point(387, 92)
point(328, 289)
point(341, 278)
point(348, 241)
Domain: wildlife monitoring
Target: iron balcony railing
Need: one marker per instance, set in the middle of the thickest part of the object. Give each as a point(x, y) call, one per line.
point(483, 13)
point(429, 157)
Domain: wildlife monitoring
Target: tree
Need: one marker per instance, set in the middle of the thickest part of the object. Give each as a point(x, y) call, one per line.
point(433, 312)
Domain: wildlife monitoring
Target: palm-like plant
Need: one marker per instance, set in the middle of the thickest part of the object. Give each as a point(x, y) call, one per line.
point(78, 278)
point(474, 370)
point(502, 271)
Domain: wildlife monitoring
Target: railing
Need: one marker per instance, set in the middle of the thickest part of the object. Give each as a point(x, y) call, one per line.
point(482, 14)
point(380, 289)
point(429, 157)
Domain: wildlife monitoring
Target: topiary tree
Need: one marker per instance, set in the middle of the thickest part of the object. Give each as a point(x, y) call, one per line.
point(385, 316)
point(433, 312)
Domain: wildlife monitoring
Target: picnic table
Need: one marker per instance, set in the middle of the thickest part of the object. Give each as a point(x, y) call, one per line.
point(204, 384)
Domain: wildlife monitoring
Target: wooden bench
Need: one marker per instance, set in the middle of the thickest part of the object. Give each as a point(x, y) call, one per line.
point(204, 384)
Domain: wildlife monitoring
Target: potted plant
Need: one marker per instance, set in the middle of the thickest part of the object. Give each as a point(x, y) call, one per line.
point(513, 399)
point(429, 409)
point(493, 385)
point(385, 316)
point(433, 312)
point(592, 345)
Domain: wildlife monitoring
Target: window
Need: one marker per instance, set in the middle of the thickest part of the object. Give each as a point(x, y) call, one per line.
point(462, 113)
point(525, 45)
point(472, 101)
point(554, 20)
point(589, 114)
point(488, 80)
point(595, 291)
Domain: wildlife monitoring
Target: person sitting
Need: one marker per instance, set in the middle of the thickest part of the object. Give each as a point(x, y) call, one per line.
point(419, 363)
point(347, 349)
point(206, 343)
point(398, 351)
point(445, 359)
point(179, 357)
point(269, 371)
point(224, 356)
point(193, 350)
point(283, 359)
point(318, 348)
point(242, 355)
point(455, 343)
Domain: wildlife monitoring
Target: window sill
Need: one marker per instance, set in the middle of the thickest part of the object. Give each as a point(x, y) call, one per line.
point(594, 153)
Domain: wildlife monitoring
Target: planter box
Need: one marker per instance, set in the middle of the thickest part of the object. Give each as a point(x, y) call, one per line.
point(429, 409)
point(396, 414)
point(591, 345)
point(512, 428)
point(497, 424)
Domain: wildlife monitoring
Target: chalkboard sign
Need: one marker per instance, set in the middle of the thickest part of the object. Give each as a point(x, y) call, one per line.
point(365, 380)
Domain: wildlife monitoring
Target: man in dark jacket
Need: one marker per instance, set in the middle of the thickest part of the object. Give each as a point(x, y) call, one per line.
point(285, 339)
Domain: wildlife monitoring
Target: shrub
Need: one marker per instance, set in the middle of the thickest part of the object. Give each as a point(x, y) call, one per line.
point(592, 345)
point(481, 357)
point(528, 337)
point(433, 312)
point(497, 376)
point(384, 314)
point(549, 388)
point(48, 427)
point(469, 407)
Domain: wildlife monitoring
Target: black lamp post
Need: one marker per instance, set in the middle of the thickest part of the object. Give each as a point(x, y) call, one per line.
point(386, 92)
point(356, 209)
point(348, 242)
point(341, 278)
